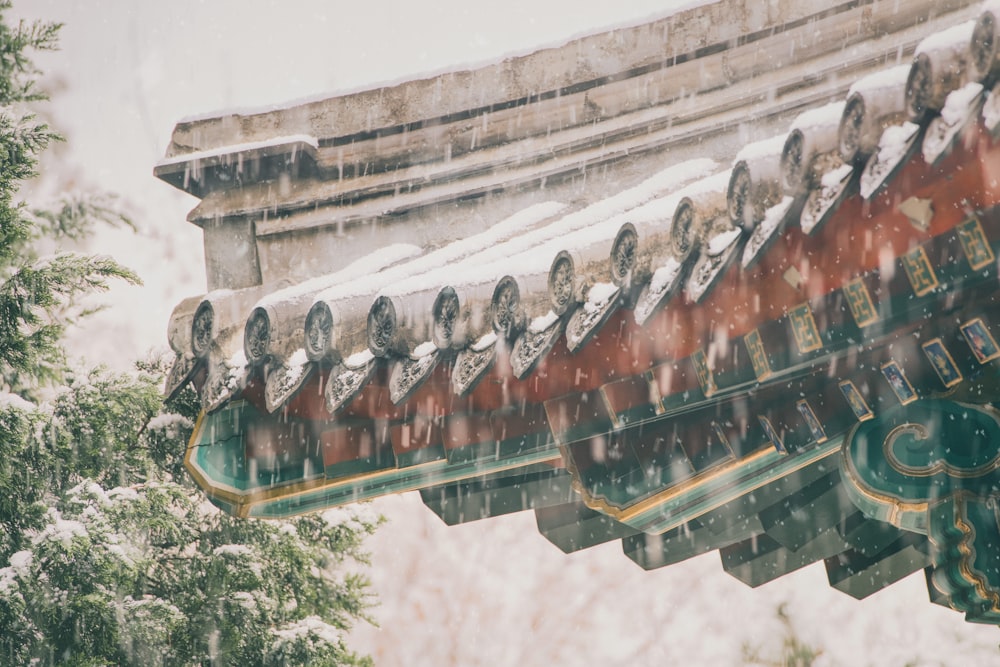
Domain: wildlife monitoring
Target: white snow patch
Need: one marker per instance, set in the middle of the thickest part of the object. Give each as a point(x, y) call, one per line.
point(598, 296)
point(21, 561)
point(309, 626)
point(892, 146)
point(238, 360)
point(20, 567)
point(359, 359)
point(835, 177)
point(486, 341)
point(449, 255)
point(245, 600)
point(60, 530)
point(88, 487)
point(761, 149)
point(371, 263)
point(765, 230)
point(295, 364)
point(298, 358)
point(955, 38)
point(662, 209)
point(532, 252)
point(122, 552)
point(123, 493)
point(720, 242)
point(360, 513)
point(237, 367)
point(894, 77)
point(7, 579)
point(169, 422)
point(819, 202)
point(824, 116)
point(959, 107)
point(138, 606)
point(217, 294)
point(233, 550)
point(665, 275)
point(959, 102)
point(422, 350)
point(233, 149)
point(717, 182)
point(542, 322)
point(9, 400)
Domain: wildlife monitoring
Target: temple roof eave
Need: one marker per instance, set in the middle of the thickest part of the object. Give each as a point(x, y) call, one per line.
point(703, 341)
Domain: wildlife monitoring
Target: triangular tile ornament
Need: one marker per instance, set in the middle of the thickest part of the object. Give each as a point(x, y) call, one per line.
point(409, 373)
point(894, 150)
point(665, 282)
point(472, 363)
point(991, 111)
point(766, 232)
point(822, 203)
point(226, 378)
point(961, 108)
point(284, 381)
point(536, 342)
point(602, 300)
point(181, 372)
point(712, 264)
point(346, 381)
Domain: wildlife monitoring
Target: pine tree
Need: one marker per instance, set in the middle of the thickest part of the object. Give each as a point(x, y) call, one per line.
point(108, 555)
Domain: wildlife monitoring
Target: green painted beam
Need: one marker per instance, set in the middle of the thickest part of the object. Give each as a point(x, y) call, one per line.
point(761, 558)
point(752, 476)
point(693, 539)
point(477, 499)
point(859, 576)
point(800, 517)
point(868, 536)
point(574, 526)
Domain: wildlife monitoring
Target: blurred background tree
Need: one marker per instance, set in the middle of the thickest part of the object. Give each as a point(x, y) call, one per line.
point(108, 555)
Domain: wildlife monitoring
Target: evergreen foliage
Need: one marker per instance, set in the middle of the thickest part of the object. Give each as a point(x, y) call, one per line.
point(36, 294)
point(108, 555)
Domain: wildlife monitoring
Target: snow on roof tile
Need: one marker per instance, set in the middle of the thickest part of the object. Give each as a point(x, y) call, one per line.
point(291, 142)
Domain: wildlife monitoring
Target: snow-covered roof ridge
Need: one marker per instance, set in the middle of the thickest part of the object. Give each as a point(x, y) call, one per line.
point(955, 38)
point(607, 51)
point(890, 77)
point(291, 142)
point(373, 262)
point(828, 114)
point(689, 31)
point(765, 148)
point(447, 255)
point(597, 222)
point(669, 11)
